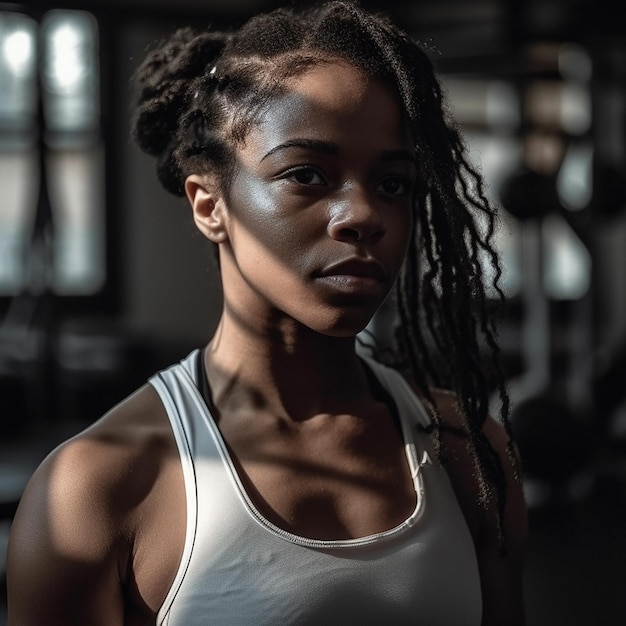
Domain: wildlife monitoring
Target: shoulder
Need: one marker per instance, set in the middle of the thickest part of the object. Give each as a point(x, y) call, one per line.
point(104, 471)
point(80, 512)
point(458, 459)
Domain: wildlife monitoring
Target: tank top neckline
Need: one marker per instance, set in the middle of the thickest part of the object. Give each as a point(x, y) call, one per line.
point(203, 391)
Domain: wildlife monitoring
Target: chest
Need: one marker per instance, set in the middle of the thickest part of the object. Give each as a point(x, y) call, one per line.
point(336, 477)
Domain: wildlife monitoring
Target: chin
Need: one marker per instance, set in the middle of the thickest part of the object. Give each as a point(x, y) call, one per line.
point(343, 327)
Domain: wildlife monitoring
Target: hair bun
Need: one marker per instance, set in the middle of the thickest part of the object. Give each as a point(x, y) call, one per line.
point(163, 82)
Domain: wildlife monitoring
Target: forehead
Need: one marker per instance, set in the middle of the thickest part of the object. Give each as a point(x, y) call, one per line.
point(336, 101)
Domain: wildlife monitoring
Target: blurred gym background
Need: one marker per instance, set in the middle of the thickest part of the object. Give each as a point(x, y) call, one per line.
point(103, 278)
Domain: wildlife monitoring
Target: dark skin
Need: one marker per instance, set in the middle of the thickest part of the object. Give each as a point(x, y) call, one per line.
point(100, 530)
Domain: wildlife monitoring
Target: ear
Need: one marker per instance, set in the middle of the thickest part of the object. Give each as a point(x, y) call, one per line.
point(209, 208)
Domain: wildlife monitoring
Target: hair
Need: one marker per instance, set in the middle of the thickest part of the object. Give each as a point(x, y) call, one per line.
point(199, 93)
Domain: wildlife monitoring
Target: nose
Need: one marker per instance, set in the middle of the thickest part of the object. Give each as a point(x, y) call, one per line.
point(356, 218)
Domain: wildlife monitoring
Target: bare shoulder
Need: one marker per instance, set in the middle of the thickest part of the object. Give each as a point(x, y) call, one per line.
point(79, 515)
point(103, 469)
point(458, 458)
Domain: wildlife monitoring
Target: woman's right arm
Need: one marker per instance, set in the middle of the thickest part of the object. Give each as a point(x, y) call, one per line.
point(68, 543)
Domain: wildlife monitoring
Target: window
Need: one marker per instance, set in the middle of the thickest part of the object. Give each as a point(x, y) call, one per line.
point(50, 133)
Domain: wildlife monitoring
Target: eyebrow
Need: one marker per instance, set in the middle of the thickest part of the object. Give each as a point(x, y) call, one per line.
point(327, 147)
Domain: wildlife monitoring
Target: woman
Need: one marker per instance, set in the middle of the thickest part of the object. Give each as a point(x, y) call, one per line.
point(280, 476)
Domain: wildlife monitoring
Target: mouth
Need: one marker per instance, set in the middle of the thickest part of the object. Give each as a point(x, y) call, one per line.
point(354, 276)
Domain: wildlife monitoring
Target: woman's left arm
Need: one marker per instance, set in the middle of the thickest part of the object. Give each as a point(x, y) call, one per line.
point(501, 564)
point(500, 560)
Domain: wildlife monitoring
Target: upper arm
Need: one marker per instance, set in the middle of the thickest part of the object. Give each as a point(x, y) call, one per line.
point(63, 563)
point(500, 564)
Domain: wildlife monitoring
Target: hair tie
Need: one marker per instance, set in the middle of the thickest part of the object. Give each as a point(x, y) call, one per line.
point(220, 81)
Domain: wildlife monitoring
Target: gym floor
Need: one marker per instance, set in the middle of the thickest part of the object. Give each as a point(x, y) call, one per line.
point(576, 562)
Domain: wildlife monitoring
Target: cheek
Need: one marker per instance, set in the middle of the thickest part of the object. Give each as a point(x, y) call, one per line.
point(399, 232)
point(262, 224)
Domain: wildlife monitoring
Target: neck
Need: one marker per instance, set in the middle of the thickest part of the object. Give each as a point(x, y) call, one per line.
point(286, 369)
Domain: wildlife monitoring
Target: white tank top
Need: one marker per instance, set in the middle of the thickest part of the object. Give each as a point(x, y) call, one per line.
point(238, 568)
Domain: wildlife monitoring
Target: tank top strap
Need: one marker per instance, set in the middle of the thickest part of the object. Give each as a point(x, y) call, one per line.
point(403, 394)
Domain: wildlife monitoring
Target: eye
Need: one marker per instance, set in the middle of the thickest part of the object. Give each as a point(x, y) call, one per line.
point(305, 176)
point(394, 185)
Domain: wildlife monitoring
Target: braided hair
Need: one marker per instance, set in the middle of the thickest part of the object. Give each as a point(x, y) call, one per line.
point(199, 93)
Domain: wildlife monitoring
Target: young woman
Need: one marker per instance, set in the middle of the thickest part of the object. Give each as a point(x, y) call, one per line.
point(280, 475)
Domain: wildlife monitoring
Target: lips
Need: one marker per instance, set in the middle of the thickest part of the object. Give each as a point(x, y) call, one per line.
point(355, 267)
point(354, 276)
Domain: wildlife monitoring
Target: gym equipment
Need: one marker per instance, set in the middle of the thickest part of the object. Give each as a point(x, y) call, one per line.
point(549, 420)
point(527, 194)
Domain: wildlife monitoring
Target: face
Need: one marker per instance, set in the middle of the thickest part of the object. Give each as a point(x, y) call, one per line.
point(318, 216)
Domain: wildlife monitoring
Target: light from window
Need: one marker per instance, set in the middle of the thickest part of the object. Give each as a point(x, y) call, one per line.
point(68, 74)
